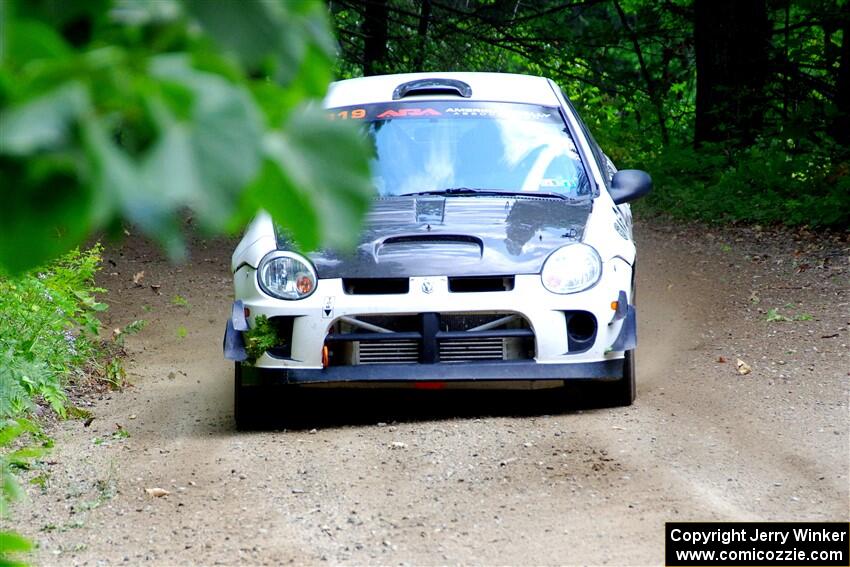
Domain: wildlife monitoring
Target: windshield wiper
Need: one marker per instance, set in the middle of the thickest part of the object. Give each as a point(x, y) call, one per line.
point(469, 191)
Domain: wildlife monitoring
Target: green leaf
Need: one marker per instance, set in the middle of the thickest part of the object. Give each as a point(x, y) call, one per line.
point(250, 29)
point(288, 204)
point(144, 12)
point(23, 456)
point(104, 119)
point(335, 177)
point(45, 212)
point(13, 543)
point(11, 491)
point(120, 186)
point(31, 40)
point(278, 33)
point(12, 429)
point(311, 80)
point(311, 48)
point(99, 307)
point(4, 33)
point(42, 123)
point(204, 163)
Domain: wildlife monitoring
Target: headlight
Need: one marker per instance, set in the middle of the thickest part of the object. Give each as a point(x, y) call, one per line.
point(286, 275)
point(572, 268)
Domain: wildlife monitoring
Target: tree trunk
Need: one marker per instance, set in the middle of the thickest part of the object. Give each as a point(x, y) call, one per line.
point(841, 125)
point(651, 86)
point(375, 38)
point(786, 81)
point(732, 39)
point(422, 35)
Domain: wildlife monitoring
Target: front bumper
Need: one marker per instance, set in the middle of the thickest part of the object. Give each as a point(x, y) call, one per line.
point(440, 372)
point(544, 311)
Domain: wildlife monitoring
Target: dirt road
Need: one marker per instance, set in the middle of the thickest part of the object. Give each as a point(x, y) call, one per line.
point(469, 478)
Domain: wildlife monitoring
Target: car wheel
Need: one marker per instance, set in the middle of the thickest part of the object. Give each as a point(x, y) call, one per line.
point(621, 392)
point(603, 393)
point(245, 402)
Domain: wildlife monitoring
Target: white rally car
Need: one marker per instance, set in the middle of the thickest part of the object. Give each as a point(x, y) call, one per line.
point(498, 250)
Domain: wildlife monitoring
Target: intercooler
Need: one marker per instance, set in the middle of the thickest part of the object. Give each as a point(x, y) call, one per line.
point(385, 352)
point(430, 338)
point(451, 350)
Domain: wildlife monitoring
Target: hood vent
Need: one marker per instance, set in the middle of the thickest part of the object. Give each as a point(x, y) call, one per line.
point(481, 284)
point(429, 246)
point(375, 286)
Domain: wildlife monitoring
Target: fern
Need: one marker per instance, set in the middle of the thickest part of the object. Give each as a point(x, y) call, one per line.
point(49, 330)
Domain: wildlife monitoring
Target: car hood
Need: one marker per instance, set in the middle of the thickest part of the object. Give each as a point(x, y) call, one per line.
point(456, 236)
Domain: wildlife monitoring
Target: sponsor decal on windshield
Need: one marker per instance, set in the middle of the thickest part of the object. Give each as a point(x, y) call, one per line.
point(407, 110)
point(498, 112)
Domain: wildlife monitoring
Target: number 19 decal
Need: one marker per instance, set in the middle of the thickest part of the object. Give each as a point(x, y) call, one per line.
point(356, 114)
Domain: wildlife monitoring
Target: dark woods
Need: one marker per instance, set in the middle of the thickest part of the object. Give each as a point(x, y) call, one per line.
point(740, 108)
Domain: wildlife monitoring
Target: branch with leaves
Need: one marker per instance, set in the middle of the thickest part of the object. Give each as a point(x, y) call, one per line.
point(166, 106)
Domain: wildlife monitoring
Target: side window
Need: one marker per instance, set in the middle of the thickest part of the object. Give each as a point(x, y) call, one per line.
point(605, 165)
point(612, 169)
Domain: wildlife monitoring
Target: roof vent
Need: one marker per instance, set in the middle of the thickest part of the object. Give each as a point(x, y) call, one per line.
point(423, 87)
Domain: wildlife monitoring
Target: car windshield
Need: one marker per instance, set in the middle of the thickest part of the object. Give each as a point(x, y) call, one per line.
point(470, 148)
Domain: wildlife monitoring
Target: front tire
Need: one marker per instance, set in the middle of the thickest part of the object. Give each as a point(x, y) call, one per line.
point(621, 392)
point(604, 393)
point(245, 401)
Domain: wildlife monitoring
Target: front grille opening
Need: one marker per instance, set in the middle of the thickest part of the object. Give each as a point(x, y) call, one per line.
point(373, 347)
point(369, 351)
point(469, 321)
point(481, 350)
point(375, 286)
point(481, 284)
point(581, 330)
point(394, 323)
point(283, 326)
point(373, 352)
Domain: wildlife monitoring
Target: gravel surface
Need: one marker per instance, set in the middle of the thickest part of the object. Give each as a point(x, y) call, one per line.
point(468, 477)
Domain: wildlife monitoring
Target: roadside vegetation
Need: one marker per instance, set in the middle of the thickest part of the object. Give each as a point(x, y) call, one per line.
point(773, 182)
point(49, 332)
point(51, 342)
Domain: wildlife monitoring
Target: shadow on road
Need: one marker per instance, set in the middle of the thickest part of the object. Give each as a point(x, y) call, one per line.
point(286, 409)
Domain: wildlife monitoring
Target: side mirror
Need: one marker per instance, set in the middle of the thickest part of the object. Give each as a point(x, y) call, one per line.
point(630, 184)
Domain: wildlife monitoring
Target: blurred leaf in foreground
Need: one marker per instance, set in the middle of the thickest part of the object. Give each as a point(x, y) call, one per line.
point(141, 110)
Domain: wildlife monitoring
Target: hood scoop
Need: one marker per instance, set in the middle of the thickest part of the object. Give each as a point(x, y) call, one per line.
point(457, 246)
point(434, 86)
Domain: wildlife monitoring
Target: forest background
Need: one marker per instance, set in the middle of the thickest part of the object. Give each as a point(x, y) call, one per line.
point(740, 109)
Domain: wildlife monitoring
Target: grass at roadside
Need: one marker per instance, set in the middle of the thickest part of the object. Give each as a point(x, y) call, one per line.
point(49, 339)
